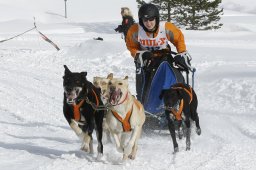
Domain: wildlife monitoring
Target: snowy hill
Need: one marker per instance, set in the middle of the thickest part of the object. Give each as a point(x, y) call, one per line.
point(35, 134)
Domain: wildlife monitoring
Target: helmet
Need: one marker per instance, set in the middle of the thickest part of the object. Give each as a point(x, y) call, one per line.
point(148, 11)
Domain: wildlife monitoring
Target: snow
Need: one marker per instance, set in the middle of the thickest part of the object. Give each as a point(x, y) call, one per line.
point(35, 135)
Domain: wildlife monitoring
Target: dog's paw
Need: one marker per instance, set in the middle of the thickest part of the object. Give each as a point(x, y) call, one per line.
point(131, 156)
point(128, 149)
point(198, 131)
point(85, 147)
point(180, 133)
point(188, 144)
point(99, 156)
point(125, 157)
point(176, 149)
point(120, 149)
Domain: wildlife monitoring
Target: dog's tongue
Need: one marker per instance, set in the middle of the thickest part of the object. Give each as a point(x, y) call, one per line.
point(115, 97)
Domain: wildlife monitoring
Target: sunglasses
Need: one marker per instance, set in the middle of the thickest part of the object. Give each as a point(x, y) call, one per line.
point(148, 19)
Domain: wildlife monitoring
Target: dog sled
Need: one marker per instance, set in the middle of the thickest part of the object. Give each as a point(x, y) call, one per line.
point(150, 81)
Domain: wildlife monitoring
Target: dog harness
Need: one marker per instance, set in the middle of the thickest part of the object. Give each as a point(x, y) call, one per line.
point(177, 113)
point(126, 121)
point(76, 107)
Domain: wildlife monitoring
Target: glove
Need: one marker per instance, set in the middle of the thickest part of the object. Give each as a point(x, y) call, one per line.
point(119, 28)
point(182, 60)
point(143, 58)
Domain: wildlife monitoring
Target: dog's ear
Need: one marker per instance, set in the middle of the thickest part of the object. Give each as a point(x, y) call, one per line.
point(180, 93)
point(110, 76)
point(67, 71)
point(84, 74)
point(126, 78)
point(162, 94)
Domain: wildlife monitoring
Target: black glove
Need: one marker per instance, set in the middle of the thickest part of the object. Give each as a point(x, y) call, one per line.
point(119, 28)
point(147, 55)
point(182, 60)
point(143, 58)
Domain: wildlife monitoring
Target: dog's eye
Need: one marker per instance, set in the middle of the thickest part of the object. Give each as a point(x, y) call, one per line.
point(120, 84)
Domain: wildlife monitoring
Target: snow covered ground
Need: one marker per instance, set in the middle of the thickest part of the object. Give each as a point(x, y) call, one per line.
point(35, 135)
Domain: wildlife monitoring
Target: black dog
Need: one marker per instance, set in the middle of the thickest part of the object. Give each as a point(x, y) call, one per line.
point(80, 101)
point(180, 105)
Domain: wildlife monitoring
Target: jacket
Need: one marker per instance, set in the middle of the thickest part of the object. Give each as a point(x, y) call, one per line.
point(126, 24)
point(173, 34)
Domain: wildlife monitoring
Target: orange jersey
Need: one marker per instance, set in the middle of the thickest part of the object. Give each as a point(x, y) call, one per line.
point(173, 34)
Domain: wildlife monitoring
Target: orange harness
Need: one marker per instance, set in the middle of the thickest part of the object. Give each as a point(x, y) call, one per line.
point(177, 113)
point(126, 121)
point(76, 107)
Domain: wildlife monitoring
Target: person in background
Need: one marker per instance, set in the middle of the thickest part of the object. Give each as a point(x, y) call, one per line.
point(127, 21)
point(148, 41)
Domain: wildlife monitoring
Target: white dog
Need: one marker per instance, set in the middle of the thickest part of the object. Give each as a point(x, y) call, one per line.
point(125, 117)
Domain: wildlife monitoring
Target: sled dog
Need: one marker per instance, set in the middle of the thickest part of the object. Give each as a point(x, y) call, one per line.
point(102, 83)
point(180, 106)
point(125, 117)
point(80, 96)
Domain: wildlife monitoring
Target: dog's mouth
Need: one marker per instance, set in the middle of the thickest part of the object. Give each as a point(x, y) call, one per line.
point(115, 96)
point(72, 94)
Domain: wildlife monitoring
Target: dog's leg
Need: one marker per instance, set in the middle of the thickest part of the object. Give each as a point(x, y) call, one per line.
point(99, 131)
point(100, 145)
point(198, 129)
point(123, 139)
point(91, 145)
point(131, 143)
point(106, 130)
point(172, 130)
point(180, 130)
point(84, 137)
point(135, 146)
point(87, 142)
point(75, 128)
point(194, 114)
point(187, 133)
point(117, 141)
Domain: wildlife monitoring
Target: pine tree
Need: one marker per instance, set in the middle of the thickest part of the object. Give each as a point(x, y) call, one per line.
point(190, 14)
point(166, 8)
point(140, 2)
point(199, 14)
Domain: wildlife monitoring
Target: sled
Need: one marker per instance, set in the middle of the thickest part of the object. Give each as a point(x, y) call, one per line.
point(162, 77)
